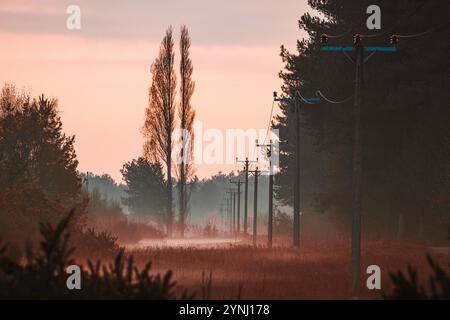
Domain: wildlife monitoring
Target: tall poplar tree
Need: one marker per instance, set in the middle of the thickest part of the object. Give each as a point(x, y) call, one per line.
point(186, 114)
point(160, 117)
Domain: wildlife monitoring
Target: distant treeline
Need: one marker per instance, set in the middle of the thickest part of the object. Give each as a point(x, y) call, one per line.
point(206, 197)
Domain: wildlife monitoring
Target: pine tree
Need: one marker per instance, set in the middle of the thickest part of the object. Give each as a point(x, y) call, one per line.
point(404, 132)
point(33, 146)
point(146, 189)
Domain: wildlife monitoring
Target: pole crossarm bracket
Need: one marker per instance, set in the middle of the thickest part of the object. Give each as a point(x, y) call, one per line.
point(297, 99)
point(351, 48)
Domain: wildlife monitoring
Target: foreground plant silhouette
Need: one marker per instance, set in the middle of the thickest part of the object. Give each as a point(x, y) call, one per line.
point(43, 274)
point(407, 286)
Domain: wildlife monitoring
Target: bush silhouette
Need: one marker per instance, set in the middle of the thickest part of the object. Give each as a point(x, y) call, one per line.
point(406, 287)
point(43, 274)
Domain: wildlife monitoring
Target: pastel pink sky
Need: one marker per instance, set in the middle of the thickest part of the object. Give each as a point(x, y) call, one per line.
point(101, 73)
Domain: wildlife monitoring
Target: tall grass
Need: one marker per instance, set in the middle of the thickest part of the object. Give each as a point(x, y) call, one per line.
point(318, 270)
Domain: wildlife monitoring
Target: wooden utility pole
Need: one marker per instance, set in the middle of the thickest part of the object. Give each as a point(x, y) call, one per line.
point(256, 173)
point(234, 212)
point(230, 213)
point(238, 220)
point(246, 171)
point(296, 231)
point(297, 101)
point(357, 169)
point(231, 208)
point(359, 61)
point(270, 217)
point(221, 213)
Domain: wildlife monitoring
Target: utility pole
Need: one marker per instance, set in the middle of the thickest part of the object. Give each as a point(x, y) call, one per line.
point(246, 168)
point(256, 173)
point(270, 218)
point(229, 213)
point(357, 169)
point(234, 212)
point(221, 212)
point(238, 183)
point(296, 101)
point(359, 61)
point(230, 192)
point(296, 230)
point(246, 196)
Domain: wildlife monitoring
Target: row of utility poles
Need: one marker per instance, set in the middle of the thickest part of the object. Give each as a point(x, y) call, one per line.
point(359, 59)
point(233, 200)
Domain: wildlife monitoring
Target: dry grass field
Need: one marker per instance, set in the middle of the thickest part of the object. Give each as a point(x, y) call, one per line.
point(318, 270)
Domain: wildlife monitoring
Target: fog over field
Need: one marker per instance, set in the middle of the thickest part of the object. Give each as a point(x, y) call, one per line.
point(226, 150)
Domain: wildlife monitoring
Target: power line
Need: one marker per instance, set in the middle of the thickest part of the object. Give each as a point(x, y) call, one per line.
point(408, 18)
point(411, 14)
point(319, 93)
point(356, 24)
point(307, 101)
point(254, 153)
point(339, 35)
point(422, 33)
point(270, 121)
point(414, 35)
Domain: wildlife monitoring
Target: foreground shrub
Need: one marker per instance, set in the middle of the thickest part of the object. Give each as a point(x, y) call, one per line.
point(408, 287)
point(43, 274)
point(92, 243)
